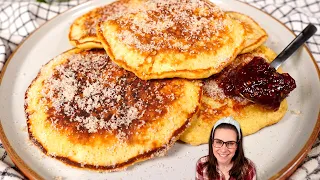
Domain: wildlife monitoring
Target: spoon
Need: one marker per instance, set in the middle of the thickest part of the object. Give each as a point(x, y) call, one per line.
point(307, 32)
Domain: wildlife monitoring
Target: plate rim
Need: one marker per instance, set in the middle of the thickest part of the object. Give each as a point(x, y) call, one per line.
point(282, 174)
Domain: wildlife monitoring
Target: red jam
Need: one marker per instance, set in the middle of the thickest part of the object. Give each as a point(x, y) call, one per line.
point(258, 82)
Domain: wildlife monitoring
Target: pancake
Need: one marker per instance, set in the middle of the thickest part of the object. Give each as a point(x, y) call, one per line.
point(165, 39)
point(89, 113)
point(255, 34)
point(216, 105)
point(82, 33)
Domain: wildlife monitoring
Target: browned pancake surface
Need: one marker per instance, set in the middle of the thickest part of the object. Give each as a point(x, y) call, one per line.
point(216, 105)
point(91, 113)
point(165, 39)
point(82, 33)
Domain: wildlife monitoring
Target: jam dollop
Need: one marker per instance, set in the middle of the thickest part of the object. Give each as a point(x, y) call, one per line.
point(258, 82)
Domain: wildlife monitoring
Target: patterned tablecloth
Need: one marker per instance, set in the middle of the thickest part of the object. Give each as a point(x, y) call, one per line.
point(18, 18)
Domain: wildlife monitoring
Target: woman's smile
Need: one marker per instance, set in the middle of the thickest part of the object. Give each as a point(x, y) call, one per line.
point(226, 159)
point(223, 153)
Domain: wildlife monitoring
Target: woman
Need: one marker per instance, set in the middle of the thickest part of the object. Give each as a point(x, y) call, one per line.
point(226, 159)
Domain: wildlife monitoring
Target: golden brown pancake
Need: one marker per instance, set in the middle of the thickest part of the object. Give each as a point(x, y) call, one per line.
point(165, 39)
point(216, 105)
point(88, 112)
point(82, 33)
point(255, 34)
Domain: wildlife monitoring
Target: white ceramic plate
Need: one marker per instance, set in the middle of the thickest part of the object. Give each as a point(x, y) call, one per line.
point(275, 150)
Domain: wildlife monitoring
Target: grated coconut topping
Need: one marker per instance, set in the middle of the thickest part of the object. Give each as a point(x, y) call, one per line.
point(92, 91)
point(173, 24)
point(212, 89)
point(104, 13)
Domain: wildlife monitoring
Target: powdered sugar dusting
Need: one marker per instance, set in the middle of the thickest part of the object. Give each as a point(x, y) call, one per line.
point(184, 25)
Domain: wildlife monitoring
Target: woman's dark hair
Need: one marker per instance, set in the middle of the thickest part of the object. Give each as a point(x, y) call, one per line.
point(240, 163)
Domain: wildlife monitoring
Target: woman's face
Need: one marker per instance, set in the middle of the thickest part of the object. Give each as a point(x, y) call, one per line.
point(224, 154)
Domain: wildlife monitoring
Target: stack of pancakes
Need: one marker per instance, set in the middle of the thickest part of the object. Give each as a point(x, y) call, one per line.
point(141, 77)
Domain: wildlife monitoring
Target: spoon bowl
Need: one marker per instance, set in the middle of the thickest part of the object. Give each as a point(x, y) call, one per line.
point(278, 85)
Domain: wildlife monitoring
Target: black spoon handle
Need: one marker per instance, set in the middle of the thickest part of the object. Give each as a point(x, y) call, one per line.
point(309, 31)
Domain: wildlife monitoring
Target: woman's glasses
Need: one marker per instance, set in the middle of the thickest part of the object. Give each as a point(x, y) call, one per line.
point(219, 143)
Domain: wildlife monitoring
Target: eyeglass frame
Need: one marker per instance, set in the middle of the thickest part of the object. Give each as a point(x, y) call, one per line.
point(236, 142)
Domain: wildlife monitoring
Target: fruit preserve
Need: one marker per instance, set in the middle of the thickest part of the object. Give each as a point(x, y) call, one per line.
point(258, 82)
